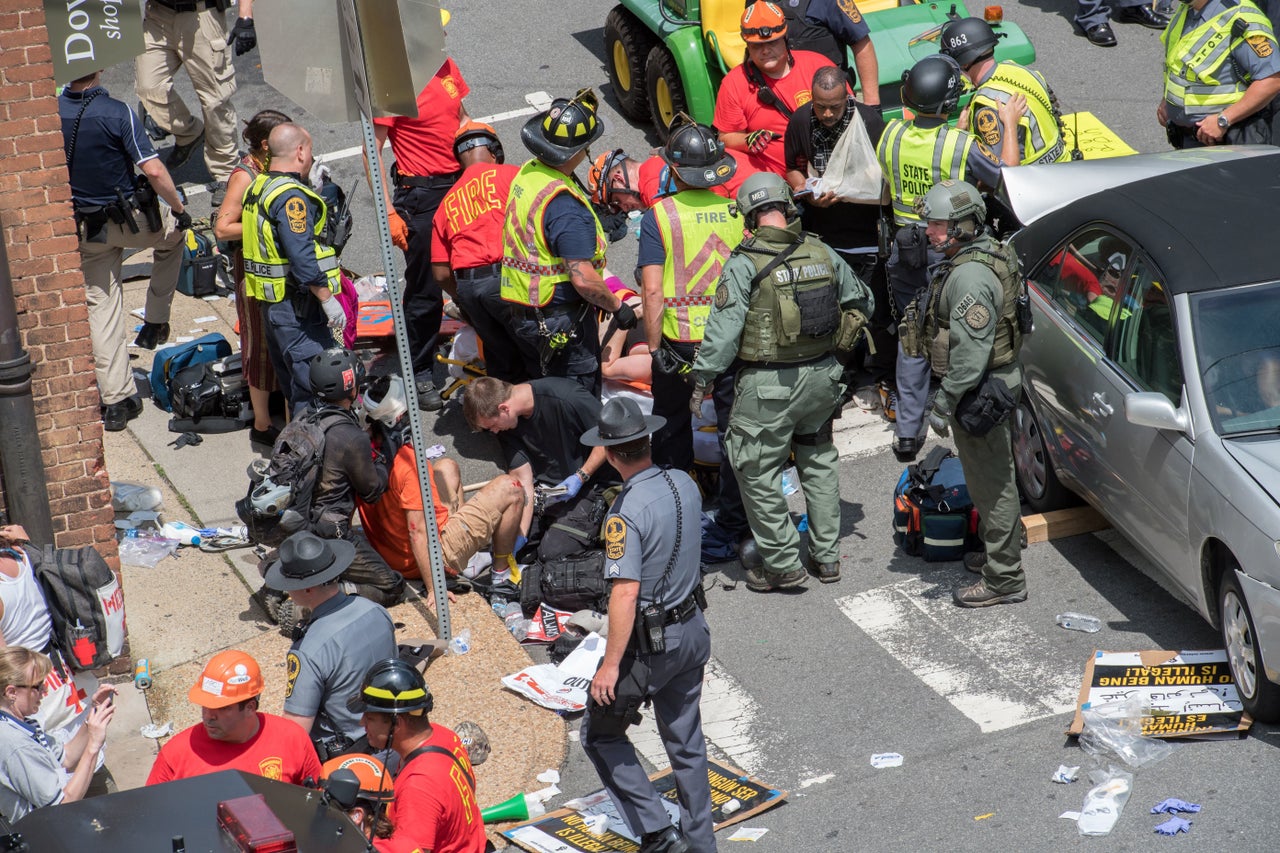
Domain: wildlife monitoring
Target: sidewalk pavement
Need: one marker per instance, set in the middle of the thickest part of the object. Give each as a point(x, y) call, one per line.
point(187, 608)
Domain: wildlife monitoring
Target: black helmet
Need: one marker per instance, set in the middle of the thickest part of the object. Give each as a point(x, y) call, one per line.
point(933, 85)
point(392, 686)
point(969, 40)
point(473, 134)
point(336, 374)
point(569, 126)
point(696, 153)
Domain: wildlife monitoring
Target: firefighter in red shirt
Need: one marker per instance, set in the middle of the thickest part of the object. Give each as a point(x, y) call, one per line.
point(425, 169)
point(435, 804)
point(618, 183)
point(466, 245)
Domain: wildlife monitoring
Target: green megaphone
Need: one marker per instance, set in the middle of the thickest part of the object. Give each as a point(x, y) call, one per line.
point(519, 807)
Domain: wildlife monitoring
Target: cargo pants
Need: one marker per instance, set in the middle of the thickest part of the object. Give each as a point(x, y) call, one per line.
point(777, 410)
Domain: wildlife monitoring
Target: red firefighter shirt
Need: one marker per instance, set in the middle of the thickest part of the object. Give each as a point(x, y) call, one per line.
point(280, 750)
point(467, 231)
point(435, 805)
point(423, 145)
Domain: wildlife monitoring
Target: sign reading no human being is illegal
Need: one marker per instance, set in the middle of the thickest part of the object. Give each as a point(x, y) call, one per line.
point(88, 35)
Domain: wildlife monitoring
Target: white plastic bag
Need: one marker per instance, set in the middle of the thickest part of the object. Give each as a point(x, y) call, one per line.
point(853, 172)
point(1114, 729)
point(1105, 801)
point(146, 551)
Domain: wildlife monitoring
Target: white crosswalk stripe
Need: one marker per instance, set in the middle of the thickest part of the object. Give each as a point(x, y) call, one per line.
point(987, 663)
point(729, 716)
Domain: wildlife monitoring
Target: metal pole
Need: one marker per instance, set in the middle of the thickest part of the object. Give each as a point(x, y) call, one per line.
point(25, 491)
point(394, 291)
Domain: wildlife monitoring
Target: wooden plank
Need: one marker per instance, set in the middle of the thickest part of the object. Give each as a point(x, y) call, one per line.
point(1063, 522)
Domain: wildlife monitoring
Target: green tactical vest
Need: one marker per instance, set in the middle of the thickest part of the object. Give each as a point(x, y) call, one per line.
point(1003, 263)
point(794, 310)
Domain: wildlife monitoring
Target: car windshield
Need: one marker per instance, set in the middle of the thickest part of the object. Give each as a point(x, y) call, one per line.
point(1237, 334)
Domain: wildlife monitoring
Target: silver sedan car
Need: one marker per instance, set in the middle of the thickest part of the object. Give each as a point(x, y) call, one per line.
point(1153, 376)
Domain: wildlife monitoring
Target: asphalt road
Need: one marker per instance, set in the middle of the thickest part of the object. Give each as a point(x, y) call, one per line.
point(809, 686)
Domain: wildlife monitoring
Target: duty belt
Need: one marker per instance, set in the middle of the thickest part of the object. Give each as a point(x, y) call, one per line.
point(683, 611)
point(473, 273)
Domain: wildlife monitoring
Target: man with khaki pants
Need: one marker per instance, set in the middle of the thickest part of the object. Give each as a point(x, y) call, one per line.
point(193, 34)
point(104, 142)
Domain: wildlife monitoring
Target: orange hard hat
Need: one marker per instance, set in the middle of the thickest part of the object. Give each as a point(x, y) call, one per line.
point(229, 677)
point(763, 21)
point(598, 183)
point(375, 781)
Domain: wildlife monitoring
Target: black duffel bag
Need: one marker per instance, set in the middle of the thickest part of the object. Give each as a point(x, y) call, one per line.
point(572, 582)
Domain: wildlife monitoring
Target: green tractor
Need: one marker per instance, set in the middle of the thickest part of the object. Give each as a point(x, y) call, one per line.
point(668, 56)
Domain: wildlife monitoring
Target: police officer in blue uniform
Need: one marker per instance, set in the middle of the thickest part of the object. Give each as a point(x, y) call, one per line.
point(344, 637)
point(115, 210)
point(658, 642)
point(301, 321)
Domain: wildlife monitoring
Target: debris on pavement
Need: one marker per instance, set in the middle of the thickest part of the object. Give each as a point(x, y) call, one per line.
point(549, 777)
point(155, 732)
point(1065, 775)
point(984, 816)
point(1173, 806)
point(1105, 801)
point(1173, 826)
point(748, 833)
point(881, 760)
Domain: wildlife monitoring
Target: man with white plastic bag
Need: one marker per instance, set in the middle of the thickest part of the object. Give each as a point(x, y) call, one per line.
point(832, 167)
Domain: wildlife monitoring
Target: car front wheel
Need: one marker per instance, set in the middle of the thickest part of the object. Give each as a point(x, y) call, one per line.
point(1261, 696)
point(1033, 467)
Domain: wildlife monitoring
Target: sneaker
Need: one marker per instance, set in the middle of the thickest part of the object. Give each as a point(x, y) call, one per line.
point(905, 448)
point(667, 840)
point(266, 436)
point(181, 152)
point(759, 580)
point(217, 194)
point(429, 399)
point(979, 595)
point(889, 402)
point(151, 334)
point(116, 416)
point(867, 398)
point(975, 560)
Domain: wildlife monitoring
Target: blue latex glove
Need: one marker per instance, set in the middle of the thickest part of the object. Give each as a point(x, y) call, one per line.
point(1173, 826)
point(571, 485)
point(521, 541)
point(1172, 806)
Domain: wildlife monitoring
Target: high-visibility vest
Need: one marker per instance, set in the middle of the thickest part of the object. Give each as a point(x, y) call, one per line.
point(698, 233)
point(1199, 77)
point(530, 272)
point(265, 266)
point(1042, 125)
point(915, 158)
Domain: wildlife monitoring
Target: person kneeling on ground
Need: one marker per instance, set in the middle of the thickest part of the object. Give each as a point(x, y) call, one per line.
point(396, 524)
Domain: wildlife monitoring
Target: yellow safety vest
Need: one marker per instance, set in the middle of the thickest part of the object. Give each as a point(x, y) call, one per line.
point(915, 158)
point(530, 272)
point(698, 234)
point(1199, 77)
point(265, 266)
point(1042, 125)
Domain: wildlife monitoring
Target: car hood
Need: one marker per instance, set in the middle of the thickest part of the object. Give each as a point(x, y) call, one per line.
point(1260, 457)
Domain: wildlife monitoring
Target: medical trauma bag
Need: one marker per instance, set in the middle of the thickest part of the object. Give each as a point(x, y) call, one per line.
point(933, 515)
point(198, 275)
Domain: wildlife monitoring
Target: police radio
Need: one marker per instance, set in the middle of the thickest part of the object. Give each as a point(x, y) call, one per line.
point(652, 639)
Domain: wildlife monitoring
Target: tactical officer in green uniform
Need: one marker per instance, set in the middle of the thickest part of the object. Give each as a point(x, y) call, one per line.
point(974, 315)
point(785, 304)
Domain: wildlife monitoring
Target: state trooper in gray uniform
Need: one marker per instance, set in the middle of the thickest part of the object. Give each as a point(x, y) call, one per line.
point(332, 651)
point(658, 642)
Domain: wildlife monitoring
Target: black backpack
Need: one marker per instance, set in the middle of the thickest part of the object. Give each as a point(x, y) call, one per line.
point(571, 582)
point(210, 397)
point(86, 604)
point(295, 465)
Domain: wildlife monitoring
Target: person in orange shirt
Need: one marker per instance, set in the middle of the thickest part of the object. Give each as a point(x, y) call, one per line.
point(396, 524)
point(466, 246)
point(232, 733)
point(756, 99)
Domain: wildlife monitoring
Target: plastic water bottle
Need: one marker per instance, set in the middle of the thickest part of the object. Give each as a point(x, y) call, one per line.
point(633, 222)
point(184, 533)
point(513, 618)
point(1080, 622)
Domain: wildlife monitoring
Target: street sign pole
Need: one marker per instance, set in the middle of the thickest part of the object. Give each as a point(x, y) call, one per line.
point(395, 292)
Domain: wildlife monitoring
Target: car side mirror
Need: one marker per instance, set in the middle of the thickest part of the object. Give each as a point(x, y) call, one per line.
point(1153, 409)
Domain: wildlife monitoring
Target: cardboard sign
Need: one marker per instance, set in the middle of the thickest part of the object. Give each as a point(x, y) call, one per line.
point(566, 830)
point(1189, 693)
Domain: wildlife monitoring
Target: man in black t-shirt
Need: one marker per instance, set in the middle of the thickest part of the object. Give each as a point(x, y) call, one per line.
point(848, 227)
point(537, 424)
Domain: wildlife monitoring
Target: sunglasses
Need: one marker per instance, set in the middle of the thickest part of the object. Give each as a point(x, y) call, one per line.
point(763, 32)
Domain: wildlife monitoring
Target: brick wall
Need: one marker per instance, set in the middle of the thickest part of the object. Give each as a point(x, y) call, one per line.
point(39, 234)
